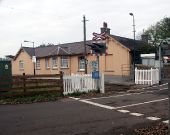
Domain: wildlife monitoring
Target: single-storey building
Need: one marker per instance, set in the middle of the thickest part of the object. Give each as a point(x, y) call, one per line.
point(69, 57)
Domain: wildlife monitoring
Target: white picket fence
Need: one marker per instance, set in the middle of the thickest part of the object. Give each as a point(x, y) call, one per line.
point(81, 83)
point(147, 77)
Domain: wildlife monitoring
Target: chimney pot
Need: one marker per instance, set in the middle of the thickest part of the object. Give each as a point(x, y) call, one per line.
point(105, 29)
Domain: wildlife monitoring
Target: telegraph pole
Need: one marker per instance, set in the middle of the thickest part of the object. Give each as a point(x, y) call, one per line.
point(85, 50)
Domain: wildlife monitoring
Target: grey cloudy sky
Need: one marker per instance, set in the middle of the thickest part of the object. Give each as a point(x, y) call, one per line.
point(60, 21)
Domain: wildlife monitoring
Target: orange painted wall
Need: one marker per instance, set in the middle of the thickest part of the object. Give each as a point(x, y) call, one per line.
point(28, 65)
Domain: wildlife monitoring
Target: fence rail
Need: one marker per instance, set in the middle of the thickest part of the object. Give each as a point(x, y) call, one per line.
point(31, 82)
point(82, 83)
point(147, 77)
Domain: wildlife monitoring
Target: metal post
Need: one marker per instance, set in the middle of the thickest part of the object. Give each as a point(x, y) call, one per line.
point(34, 56)
point(134, 48)
point(85, 51)
point(160, 63)
point(98, 81)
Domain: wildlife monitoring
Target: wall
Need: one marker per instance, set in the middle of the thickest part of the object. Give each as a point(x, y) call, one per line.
point(118, 55)
point(28, 65)
point(50, 70)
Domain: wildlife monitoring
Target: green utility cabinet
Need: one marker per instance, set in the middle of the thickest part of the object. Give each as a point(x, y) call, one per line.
point(5, 75)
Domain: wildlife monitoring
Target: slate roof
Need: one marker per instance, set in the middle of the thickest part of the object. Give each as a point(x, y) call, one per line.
point(129, 43)
point(75, 48)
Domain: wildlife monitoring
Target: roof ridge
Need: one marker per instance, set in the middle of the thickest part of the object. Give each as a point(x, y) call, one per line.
point(122, 37)
point(64, 50)
point(73, 42)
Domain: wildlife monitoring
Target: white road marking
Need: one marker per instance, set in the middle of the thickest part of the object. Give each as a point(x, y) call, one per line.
point(127, 94)
point(97, 104)
point(123, 111)
point(74, 98)
point(166, 121)
point(136, 114)
point(152, 101)
point(164, 89)
point(163, 84)
point(153, 118)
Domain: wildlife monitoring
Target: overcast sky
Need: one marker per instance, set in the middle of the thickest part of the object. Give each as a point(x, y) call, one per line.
point(60, 21)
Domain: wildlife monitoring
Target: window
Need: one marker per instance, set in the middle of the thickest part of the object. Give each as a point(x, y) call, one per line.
point(54, 62)
point(21, 65)
point(81, 63)
point(64, 62)
point(37, 64)
point(47, 63)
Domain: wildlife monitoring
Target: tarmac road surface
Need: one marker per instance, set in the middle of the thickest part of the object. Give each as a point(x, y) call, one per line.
point(98, 116)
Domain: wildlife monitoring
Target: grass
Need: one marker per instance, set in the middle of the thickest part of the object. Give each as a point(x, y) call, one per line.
point(29, 97)
point(18, 97)
point(78, 94)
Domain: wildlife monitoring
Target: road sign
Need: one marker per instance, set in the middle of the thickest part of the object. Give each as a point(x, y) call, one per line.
point(95, 75)
point(95, 65)
point(97, 36)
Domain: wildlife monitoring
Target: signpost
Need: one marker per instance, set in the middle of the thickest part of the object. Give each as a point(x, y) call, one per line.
point(98, 47)
point(95, 75)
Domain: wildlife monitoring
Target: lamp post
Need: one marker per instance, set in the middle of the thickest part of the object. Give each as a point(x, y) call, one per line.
point(33, 57)
point(134, 48)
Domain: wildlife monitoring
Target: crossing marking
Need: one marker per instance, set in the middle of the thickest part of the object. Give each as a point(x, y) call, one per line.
point(123, 111)
point(97, 104)
point(152, 101)
point(127, 94)
point(136, 114)
point(166, 121)
point(153, 118)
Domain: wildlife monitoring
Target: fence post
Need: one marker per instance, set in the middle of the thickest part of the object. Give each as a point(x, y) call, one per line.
point(24, 82)
point(61, 79)
point(151, 76)
point(102, 83)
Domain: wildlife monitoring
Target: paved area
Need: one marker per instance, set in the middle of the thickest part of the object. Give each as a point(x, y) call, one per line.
point(150, 103)
point(96, 116)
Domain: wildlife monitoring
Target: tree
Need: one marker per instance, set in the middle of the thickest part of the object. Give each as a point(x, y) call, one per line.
point(159, 31)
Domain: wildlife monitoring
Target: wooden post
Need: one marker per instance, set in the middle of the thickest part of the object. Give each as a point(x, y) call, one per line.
point(24, 82)
point(61, 80)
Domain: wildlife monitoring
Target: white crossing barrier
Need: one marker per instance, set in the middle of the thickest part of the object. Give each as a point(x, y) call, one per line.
point(81, 83)
point(147, 77)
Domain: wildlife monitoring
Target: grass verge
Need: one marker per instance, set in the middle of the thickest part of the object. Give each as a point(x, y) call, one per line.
point(29, 97)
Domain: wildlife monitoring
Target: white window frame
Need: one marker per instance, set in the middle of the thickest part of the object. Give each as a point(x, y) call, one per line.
point(54, 62)
point(47, 63)
point(81, 63)
point(38, 64)
point(64, 62)
point(21, 65)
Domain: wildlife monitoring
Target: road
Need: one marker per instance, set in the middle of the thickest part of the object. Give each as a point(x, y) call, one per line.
point(97, 116)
